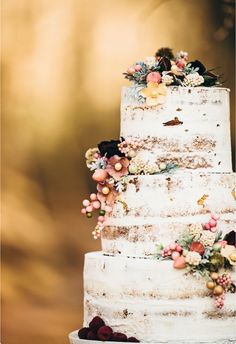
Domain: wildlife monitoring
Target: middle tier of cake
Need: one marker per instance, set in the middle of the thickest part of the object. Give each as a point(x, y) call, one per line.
point(157, 209)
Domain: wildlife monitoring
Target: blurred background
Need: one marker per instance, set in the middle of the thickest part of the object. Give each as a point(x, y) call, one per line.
point(62, 64)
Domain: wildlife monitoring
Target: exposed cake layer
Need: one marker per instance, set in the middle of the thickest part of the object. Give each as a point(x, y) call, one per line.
point(201, 142)
point(158, 208)
point(153, 301)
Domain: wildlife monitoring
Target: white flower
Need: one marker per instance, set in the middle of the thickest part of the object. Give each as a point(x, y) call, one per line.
point(195, 230)
point(193, 258)
point(207, 238)
point(150, 61)
point(167, 79)
point(193, 79)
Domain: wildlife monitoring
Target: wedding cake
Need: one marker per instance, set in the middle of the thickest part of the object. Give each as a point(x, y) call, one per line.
point(166, 212)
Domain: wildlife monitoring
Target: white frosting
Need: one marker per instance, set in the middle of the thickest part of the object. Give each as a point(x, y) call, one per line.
point(160, 207)
point(202, 141)
point(147, 298)
point(153, 301)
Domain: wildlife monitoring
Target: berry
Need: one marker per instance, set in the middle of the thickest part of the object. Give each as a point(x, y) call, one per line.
point(212, 223)
point(133, 340)
point(210, 285)
point(86, 203)
point(96, 204)
point(104, 333)
point(83, 332)
point(118, 337)
point(96, 323)
point(102, 212)
point(207, 226)
point(218, 290)
point(175, 255)
point(93, 197)
point(92, 336)
point(89, 209)
point(89, 215)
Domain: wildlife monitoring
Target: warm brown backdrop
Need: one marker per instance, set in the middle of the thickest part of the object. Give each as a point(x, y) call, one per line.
point(62, 63)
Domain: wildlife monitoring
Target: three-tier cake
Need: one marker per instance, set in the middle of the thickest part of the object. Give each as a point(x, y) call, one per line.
point(166, 202)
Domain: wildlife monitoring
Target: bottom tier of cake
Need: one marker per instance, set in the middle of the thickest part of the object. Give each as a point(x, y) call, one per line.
point(154, 302)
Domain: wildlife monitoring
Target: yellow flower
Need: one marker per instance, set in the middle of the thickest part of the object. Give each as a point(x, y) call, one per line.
point(154, 93)
point(229, 252)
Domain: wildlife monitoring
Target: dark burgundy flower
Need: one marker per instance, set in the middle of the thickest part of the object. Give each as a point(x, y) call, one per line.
point(104, 333)
point(92, 335)
point(231, 238)
point(110, 148)
point(164, 52)
point(83, 332)
point(164, 64)
point(118, 337)
point(133, 340)
point(197, 64)
point(96, 323)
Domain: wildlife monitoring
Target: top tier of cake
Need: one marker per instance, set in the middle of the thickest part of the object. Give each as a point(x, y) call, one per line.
point(200, 138)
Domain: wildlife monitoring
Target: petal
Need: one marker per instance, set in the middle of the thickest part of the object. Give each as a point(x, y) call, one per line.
point(114, 159)
point(152, 85)
point(145, 92)
point(125, 162)
point(162, 89)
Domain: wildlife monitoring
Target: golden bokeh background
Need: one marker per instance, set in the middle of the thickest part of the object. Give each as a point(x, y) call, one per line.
point(62, 64)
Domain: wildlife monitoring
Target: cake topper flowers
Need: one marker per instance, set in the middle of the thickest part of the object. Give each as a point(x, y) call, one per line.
point(168, 69)
point(154, 93)
point(202, 252)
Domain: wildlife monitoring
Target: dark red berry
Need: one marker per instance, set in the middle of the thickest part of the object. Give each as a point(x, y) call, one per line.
point(83, 332)
point(133, 340)
point(91, 336)
point(118, 337)
point(96, 323)
point(104, 333)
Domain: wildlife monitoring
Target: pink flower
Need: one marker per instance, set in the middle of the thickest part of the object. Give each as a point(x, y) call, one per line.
point(154, 77)
point(106, 193)
point(117, 167)
point(181, 63)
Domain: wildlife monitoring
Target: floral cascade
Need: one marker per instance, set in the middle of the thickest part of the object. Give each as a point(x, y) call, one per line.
point(165, 69)
point(111, 162)
point(203, 253)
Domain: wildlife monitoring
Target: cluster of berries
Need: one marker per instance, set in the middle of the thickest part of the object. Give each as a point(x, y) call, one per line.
point(129, 145)
point(174, 250)
point(91, 205)
point(219, 284)
point(224, 280)
point(212, 223)
point(98, 330)
point(220, 301)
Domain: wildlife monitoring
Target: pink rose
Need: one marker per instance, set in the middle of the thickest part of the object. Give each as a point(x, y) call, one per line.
point(154, 77)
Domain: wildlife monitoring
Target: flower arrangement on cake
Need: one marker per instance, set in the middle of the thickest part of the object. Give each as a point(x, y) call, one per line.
point(111, 162)
point(203, 252)
point(167, 69)
point(164, 69)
